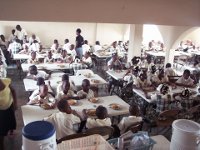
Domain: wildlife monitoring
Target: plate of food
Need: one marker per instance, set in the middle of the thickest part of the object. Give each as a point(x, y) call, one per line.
point(115, 106)
point(72, 102)
point(93, 100)
point(61, 66)
point(45, 106)
point(95, 81)
point(41, 67)
point(91, 112)
point(88, 75)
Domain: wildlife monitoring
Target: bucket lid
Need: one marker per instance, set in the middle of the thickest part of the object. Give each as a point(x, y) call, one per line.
point(186, 126)
point(38, 130)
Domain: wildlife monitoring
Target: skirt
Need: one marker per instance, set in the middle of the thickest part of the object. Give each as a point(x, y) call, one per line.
point(7, 120)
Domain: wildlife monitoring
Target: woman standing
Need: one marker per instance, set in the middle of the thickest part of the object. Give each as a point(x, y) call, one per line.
point(8, 104)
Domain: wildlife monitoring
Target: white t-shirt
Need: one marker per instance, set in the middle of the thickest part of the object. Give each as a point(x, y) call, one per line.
point(169, 72)
point(47, 60)
point(37, 99)
point(61, 95)
point(91, 123)
point(36, 38)
point(14, 47)
point(87, 60)
point(63, 123)
point(139, 83)
point(89, 95)
point(97, 48)
point(127, 122)
point(72, 53)
point(34, 47)
point(21, 34)
point(59, 87)
point(86, 48)
point(188, 82)
point(66, 46)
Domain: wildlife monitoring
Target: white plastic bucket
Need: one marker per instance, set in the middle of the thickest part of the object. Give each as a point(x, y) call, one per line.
point(39, 135)
point(185, 136)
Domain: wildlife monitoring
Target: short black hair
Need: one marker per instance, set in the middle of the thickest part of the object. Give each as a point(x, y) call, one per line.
point(33, 67)
point(78, 30)
point(18, 26)
point(40, 81)
point(62, 104)
point(65, 77)
point(134, 109)
point(86, 42)
point(86, 81)
point(101, 112)
point(168, 65)
point(186, 71)
point(97, 43)
point(67, 40)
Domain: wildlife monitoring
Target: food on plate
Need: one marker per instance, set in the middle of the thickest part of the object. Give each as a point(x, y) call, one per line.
point(46, 106)
point(41, 67)
point(95, 81)
point(61, 66)
point(115, 106)
point(93, 100)
point(72, 102)
point(88, 75)
point(91, 112)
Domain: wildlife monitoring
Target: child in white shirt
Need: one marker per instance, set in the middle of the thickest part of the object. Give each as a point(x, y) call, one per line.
point(87, 59)
point(66, 46)
point(3, 72)
point(130, 120)
point(34, 73)
point(35, 46)
point(43, 97)
point(169, 71)
point(85, 47)
point(33, 59)
point(64, 58)
point(97, 46)
point(72, 52)
point(86, 92)
point(49, 58)
point(185, 80)
point(102, 118)
point(64, 120)
point(55, 46)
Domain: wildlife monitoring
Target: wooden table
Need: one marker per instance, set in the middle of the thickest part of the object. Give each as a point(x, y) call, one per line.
point(32, 113)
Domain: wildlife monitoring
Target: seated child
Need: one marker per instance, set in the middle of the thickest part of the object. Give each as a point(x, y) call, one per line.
point(40, 84)
point(3, 72)
point(66, 46)
point(152, 75)
point(86, 92)
point(49, 58)
point(65, 78)
point(185, 80)
point(102, 118)
point(64, 120)
point(126, 122)
point(161, 78)
point(64, 58)
point(142, 82)
point(35, 46)
point(55, 46)
point(131, 74)
point(43, 97)
point(87, 59)
point(168, 70)
point(72, 52)
point(33, 59)
point(34, 73)
point(65, 92)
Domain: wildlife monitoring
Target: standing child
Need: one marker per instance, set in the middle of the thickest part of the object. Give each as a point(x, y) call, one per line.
point(64, 120)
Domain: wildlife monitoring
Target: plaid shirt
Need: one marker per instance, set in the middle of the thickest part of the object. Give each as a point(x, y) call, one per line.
point(163, 103)
point(186, 103)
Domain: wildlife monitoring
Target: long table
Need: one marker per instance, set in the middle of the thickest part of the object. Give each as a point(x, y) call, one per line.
point(25, 56)
point(55, 79)
point(116, 74)
point(32, 113)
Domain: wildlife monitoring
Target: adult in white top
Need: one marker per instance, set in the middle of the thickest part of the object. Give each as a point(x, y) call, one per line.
point(86, 92)
point(185, 80)
point(97, 46)
point(12, 36)
point(66, 46)
point(21, 33)
point(33, 38)
point(102, 118)
point(85, 47)
point(134, 118)
point(64, 120)
point(169, 71)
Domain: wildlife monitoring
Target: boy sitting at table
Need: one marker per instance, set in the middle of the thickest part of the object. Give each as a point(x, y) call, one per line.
point(134, 112)
point(64, 120)
point(65, 92)
point(33, 59)
point(72, 52)
point(64, 58)
point(55, 46)
point(34, 73)
point(131, 74)
point(169, 71)
point(86, 92)
point(43, 98)
point(86, 59)
point(49, 58)
point(102, 118)
point(161, 78)
point(65, 79)
point(185, 80)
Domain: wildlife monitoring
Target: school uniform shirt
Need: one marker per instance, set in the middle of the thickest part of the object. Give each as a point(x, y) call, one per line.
point(87, 60)
point(48, 60)
point(130, 78)
point(21, 34)
point(36, 38)
point(3, 72)
point(64, 59)
point(63, 123)
point(66, 46)
point(6, 98)
point(127, 122)
point(169, 72)
point(186, 103)
point(14, 47)
point(91, 123)
point(72, 53)
point(59, 87)
point(40, 73)
point(34, 47)
point(188, 82)
point(139, 83)
point(86, 48)
point(54, 47)
point(47, 99)
point(11, 37)
point(61, 94)
point(116, 63)
point(114, 50)
point(89, 95)
point(32, 61)
point(152, 77)
point(97, 48)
